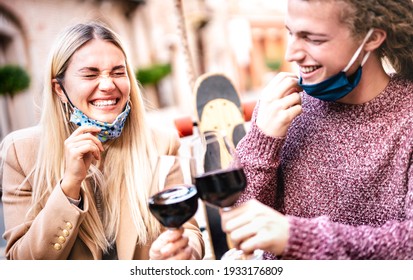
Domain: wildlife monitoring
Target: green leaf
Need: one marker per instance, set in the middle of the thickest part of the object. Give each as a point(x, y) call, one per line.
point(273, 64)
point(153, 74)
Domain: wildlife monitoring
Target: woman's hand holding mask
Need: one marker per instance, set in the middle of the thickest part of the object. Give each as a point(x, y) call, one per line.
point(81, 148)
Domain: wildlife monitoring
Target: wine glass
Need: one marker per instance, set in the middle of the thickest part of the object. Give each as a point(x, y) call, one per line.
point(220, 179)
point(176, 200)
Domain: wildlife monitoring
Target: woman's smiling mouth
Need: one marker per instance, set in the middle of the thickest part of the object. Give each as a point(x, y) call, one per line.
point(103, 103)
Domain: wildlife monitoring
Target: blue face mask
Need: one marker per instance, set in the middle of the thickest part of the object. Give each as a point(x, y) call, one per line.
point(339, 85)
point(108, 130)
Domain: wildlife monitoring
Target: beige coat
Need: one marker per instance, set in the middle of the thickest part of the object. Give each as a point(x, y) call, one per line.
point(53, 234)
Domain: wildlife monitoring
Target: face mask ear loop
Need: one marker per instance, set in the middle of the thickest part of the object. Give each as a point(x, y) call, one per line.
point(64, 91)
point(356, 55)
point(365, 58)
point(66, 111)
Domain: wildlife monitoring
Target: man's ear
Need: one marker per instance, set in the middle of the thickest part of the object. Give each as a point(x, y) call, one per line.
point(58, 90)
point(376, 39)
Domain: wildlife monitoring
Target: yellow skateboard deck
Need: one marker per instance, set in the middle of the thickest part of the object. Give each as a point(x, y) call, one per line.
point(218, 109)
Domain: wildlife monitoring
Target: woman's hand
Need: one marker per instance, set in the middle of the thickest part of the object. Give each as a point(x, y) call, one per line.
point(171, 245)
point(81, 148)
point(254, 225)
point(279, 104)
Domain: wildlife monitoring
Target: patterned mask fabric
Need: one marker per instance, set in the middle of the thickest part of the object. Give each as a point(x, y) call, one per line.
point(108, 130)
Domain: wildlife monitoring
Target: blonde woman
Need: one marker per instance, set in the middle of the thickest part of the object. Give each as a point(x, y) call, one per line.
point(72, 190)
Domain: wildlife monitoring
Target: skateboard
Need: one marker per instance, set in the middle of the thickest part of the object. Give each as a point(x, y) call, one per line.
point(218, 109)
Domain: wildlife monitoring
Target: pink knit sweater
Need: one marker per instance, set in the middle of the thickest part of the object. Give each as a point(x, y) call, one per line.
point(343, 175)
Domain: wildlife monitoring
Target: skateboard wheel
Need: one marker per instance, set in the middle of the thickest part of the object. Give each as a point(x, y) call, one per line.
point(248, 109)
point(184, 125)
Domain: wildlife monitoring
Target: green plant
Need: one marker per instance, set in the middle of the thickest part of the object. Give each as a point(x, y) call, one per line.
point(273, 65)
point(151, 75)
point(13, 79)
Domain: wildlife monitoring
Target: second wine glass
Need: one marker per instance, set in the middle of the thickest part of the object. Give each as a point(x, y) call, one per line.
point(220, 179)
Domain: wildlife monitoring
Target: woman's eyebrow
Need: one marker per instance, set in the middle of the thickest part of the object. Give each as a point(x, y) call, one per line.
point(95, 69)
point(119, 67)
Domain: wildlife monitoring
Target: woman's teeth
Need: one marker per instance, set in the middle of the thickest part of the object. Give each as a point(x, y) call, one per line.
point(101, 103)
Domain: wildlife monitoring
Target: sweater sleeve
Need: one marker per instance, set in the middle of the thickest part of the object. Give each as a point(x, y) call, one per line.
point(321, 238)
point(260, 157)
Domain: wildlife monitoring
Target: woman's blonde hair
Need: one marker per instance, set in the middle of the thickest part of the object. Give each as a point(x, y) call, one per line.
point(128, 160)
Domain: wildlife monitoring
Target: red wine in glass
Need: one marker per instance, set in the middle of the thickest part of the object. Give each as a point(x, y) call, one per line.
point(221, 187)
point(174, 206)
point(220, 180)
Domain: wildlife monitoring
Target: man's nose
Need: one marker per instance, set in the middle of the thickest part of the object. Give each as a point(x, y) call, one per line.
point(294, 51)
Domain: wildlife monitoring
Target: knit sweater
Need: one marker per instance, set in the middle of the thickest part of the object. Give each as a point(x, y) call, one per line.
point(343, 175)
